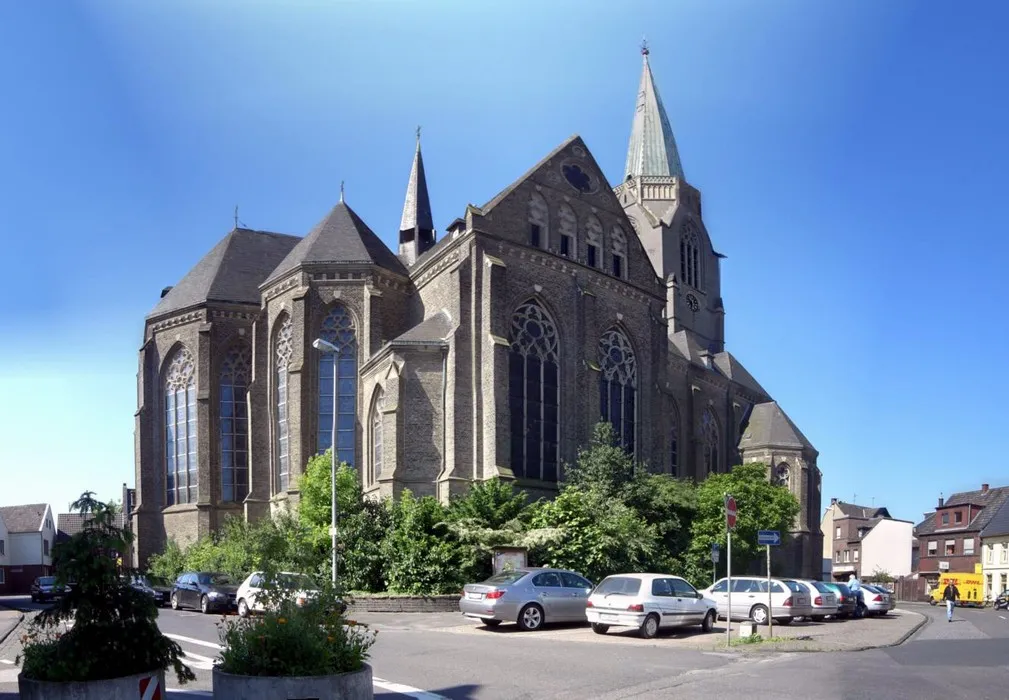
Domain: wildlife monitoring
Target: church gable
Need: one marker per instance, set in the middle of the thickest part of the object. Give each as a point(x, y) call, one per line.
point(565, 206)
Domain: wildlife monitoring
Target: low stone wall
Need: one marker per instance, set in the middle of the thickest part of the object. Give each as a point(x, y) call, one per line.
point(403, 604)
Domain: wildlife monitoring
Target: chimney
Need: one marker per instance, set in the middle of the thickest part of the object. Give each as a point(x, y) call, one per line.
point(941, 501)
point(984, 488)
point(833, 501)
point(165, 291)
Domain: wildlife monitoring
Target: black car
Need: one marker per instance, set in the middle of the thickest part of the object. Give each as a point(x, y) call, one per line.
point(156, 587)
point(845, 599)
point(205, 591)
point(45, 588)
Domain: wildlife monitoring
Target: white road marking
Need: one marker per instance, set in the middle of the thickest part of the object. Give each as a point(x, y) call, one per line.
point(415, 693)
point(191, 640)
point(6, 661)
point(1002, 616)
point(192, 693)
point(204, 663)
point(9, 676)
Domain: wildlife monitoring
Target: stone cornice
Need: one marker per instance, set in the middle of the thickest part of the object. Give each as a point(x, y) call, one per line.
point(197, 316)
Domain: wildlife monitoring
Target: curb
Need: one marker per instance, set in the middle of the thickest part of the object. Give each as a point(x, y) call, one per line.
point(13, 629)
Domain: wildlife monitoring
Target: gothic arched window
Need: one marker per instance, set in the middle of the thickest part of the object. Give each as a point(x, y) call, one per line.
point(377, 409)
point(283, 348)
point(338, 371)
point(619, 245)
point(234, 423)
point(534, 393)
point(781, 475)
point(690, 256)
point(568, 231)
point(674, 443)
point(180, 429)
point(709, 440)
point(539, 221)
point(618, 380)
point(594, 242)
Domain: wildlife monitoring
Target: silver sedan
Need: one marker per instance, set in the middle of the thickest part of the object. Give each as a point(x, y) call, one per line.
point(530, 597)
point(878, 600)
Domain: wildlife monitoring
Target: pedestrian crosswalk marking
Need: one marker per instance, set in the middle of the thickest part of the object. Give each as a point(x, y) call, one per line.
point(191, 640)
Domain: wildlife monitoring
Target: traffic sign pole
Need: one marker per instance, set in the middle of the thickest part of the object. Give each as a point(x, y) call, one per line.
point(730, 525)
point(770, 620)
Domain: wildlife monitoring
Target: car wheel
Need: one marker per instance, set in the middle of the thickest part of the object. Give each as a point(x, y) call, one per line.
point(243, 608)
point(758, 613)
point(650, 627)
point(600, 628)
point(175, 601)
point(205, 605)
point(818, 618)
point(490, 623)
point(709, 621)
point(530, 617)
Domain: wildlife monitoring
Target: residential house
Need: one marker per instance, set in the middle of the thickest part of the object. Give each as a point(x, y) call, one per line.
point(864, 540)
point(949, 539)
point(4, 557)
point(32, 534)
point(995, 553)
point(69, 524)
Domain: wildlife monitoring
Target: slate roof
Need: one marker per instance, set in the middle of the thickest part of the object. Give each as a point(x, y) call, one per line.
point(231, 272)
point(26, 518)
point(652, 149)
point(688, 347)
point(867, 512)
point(341, 237)
point(69, 524)
point(770, 426)
point(998, 526)
point(417, 206)
point(435, 329)
point(991, 501)
point(732, 368)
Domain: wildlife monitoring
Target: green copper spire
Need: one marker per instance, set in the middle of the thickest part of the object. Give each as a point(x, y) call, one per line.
point(652, 150)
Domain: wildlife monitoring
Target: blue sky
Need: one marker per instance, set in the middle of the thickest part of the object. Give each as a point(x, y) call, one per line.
point(851, 157)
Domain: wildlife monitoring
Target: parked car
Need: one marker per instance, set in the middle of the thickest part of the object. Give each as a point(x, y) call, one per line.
point(530, 597)
point(846, 600)
point(749, 600)
point(300, 587)
point(156, 587)
point(45, 588)
point(648, 602)
point(824, 600)
point(878, 601)
point(205, 591)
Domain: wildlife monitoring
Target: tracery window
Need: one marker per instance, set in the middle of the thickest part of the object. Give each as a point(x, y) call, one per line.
point(709, 441)
point(539, 221)
point(377, 410)
point(690, 256)
point(338, 372)
point(534, 393)
point(234, 423)
point(618, 385)
point(180, 429)
point(568, 231)
point(594, 242)
point(619, 242)
point(283, 348)
point(781, 475)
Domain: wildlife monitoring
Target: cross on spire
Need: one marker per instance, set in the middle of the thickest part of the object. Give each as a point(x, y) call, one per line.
point(341, 190)
point(418, 135)
point(644, 46)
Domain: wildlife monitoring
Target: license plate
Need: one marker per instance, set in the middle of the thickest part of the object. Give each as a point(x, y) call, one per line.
point(474, 596)
point(608, 618)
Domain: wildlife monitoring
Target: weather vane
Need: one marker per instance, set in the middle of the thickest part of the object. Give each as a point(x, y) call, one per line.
point(644, 46)
point(418, 134)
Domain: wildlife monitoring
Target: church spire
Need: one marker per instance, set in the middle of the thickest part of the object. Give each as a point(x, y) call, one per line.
point(652, 150)
point(416, 228)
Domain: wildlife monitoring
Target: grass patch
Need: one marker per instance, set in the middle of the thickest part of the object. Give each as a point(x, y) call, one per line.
point(758, 639)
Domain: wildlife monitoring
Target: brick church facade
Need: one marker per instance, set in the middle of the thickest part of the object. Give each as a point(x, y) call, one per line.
point(491, 351)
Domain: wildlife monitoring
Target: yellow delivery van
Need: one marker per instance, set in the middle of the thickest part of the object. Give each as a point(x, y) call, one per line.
point(971, 587)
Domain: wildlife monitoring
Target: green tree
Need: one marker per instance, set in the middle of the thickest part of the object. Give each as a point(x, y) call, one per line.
point(491, 514)
point(760, 505)
point(670, 506)
point(603, 465)
point(422, 555)
point(880, 575)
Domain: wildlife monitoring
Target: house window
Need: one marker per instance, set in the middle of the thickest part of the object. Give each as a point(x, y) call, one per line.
point(837, 557)
point(45, 548)
point(283, 348)
point(234, 424)
point(180, 429)
point(618, 265)
point(837, 533)
point(377, 411)
point(338, 372)
point(950, 547)
point(933, 548)
point(534, 393)
point(534, 235)
point(945, 518)
point(539, 220)
point(565, 245)
point(2, 581)
point(968, 545)
point(958, 517)
point(593, 255)
point(709, 439)
point(847, 556)
point(617, 385)
point(1005, 553)
point(1, 548)
point(855, 555)
point(988, 556)
point(1005, 583)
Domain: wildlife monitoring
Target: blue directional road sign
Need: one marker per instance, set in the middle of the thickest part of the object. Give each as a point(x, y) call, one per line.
point(768, 537)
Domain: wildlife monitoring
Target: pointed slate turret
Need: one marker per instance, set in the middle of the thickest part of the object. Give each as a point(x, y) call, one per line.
point(416, 228)
point(652, 149)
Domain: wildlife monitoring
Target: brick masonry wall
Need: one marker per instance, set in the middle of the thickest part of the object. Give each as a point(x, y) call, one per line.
point(404, 604)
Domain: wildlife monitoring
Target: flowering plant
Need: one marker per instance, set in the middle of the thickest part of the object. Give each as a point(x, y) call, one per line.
point(296, 635)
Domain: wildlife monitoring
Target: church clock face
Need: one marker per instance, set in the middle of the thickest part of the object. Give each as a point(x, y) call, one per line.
point(693, 303)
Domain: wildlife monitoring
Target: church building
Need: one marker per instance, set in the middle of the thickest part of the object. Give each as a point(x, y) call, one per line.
point(491, 350)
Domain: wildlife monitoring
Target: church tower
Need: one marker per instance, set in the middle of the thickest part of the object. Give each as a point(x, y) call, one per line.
point(666, 214)
point(416, 228)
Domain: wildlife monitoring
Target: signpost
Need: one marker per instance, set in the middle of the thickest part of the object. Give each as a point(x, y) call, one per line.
point(768, 539)
point(715, 555)
point(730, 525)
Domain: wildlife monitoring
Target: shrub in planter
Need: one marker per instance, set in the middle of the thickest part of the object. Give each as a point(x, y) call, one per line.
point(102, 628)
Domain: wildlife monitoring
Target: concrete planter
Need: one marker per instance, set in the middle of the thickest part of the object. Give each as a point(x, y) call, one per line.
point(140, 685)
point(355, 685)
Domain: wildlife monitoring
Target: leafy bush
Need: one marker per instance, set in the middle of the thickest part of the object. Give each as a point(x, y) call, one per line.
point(115, 631)
point(422, 555)
point(169, 564)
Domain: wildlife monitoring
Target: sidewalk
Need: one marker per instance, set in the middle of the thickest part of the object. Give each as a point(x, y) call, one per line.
point(9, 620)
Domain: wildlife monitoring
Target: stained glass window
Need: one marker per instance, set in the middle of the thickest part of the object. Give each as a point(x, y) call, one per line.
point(617, 385)
point(534, 393)
point(338, 374)
point(180, 430)
point(234, 423)
point(376, 436)
point(709, 441)
point(283, 349)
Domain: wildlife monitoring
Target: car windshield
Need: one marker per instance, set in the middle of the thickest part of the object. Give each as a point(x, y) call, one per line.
point(296, 581)
point(505, 578)
point(156, 580)
point(618, 585)
point(216, 580)
point(46, 580)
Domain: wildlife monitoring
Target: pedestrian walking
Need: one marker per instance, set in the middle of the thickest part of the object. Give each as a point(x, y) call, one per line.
point(951, 594)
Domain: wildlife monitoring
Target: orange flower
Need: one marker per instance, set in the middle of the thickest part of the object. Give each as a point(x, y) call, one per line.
point(282, 620)
point(329, 638)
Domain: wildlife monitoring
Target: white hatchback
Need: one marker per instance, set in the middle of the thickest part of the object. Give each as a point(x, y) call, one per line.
point(250, 599)
point(648, 602)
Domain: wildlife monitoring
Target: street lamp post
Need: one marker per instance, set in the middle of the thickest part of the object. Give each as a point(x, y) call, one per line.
point(328, 348)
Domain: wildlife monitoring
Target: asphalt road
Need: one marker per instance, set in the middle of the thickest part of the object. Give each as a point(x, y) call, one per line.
point(431, 657)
